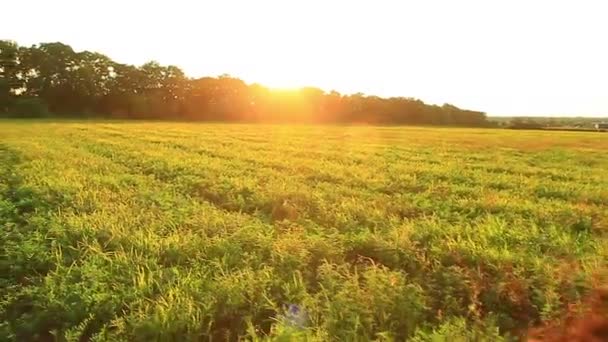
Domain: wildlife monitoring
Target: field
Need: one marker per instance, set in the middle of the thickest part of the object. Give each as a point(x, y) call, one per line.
point(173, 231)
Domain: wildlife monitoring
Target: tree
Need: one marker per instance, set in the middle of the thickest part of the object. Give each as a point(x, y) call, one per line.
point(88, 83)
point(9, 80)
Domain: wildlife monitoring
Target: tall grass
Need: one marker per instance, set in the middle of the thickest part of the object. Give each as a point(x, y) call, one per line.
point(169, 231)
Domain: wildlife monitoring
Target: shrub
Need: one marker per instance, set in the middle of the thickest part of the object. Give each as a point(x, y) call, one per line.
point(29, 107)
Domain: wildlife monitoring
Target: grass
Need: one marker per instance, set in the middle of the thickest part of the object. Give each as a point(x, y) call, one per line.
point(170, 231)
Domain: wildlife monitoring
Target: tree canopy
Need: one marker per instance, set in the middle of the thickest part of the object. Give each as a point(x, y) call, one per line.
point(53, 79)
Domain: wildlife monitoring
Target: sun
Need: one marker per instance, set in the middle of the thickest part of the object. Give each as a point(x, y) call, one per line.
point(281, 82)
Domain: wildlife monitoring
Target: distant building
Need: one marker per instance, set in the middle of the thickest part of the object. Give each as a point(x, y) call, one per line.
point(601, 125)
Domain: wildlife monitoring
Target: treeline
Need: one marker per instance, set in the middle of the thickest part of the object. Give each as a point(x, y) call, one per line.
point(547, 122)
point(51, 79)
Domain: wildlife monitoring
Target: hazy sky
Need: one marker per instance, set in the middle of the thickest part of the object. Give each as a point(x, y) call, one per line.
point(526, 57)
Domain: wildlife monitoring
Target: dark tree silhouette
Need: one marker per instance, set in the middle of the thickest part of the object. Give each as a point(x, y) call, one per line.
point(89, 84)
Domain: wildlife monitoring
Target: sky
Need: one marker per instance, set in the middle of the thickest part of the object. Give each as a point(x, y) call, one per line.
point(515, 57)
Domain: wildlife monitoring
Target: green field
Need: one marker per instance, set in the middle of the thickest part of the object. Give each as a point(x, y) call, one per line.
point(174, 231)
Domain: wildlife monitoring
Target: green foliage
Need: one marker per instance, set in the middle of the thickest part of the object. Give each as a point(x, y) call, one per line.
point(458, 330)
point(23, 107)
point(115, 231)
